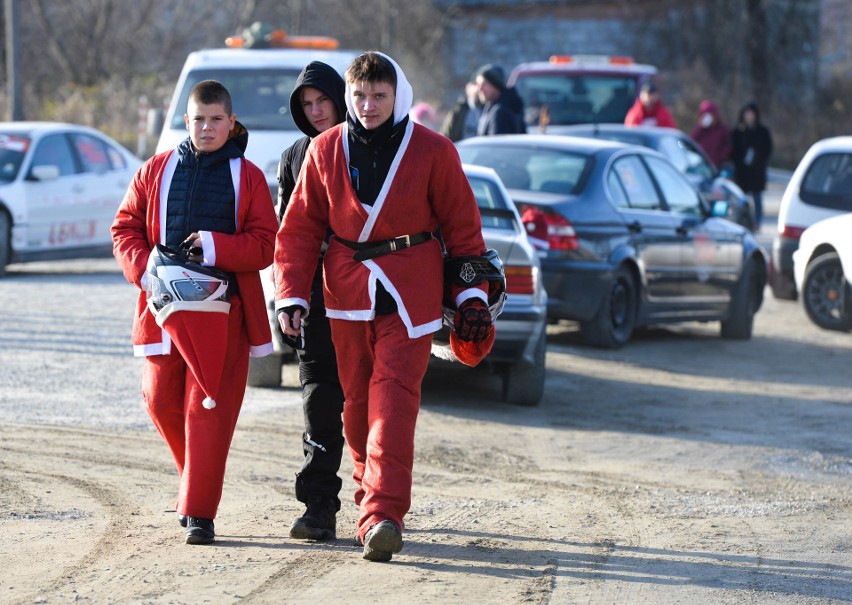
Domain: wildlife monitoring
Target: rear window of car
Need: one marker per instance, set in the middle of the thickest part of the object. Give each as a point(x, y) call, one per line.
point(577, 98)
point(531, 168)
point(828, 182)
point(12, 150)
point(493, 207)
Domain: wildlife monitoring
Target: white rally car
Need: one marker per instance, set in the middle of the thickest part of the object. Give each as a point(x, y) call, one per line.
point(60, 187)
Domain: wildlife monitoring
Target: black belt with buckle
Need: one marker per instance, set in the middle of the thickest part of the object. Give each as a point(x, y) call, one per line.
point(368, 250)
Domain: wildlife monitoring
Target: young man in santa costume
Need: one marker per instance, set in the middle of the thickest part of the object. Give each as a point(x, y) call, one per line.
point(207, 194)
point(383, 185)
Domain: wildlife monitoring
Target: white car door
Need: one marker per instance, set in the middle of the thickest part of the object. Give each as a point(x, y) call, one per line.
point(104, 180)
point(56, 196)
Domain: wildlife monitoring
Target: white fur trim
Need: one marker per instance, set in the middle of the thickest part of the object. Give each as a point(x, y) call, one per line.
point(208, 249)
point(261, 350)
point(209, 403)
point(165, 185)
point(471, 293)
point(286, 302)
point(207, 306)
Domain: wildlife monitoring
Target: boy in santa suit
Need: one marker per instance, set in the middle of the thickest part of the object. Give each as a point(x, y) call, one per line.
point(207, 194)
point(383, 185)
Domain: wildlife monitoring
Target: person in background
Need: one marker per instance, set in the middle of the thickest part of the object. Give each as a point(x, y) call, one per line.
point(205, 193)
point(424, 114)
point(712, 134)
point(751, 148)
point(316, 104)
point(502, 107)
point(462, 120)
point(648, 109)
point(384, 185)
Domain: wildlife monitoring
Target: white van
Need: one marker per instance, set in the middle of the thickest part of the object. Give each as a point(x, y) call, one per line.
point(260, 82)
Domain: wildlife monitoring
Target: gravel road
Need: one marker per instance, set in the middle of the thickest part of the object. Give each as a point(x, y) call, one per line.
point(680, 469)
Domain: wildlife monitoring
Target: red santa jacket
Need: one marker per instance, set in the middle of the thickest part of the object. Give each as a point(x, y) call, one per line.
point(137, 229)
point(425, 188)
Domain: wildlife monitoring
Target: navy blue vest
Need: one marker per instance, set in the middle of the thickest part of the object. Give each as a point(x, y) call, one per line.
point(201, 195)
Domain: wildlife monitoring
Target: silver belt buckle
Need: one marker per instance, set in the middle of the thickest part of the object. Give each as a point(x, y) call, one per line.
point(407, 239)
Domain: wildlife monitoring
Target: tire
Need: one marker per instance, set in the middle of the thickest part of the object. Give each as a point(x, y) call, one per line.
point(523, 384)
point(265, 371)
point(744, 304)
point(5, 241)
point(826, 294)
point(615, 319)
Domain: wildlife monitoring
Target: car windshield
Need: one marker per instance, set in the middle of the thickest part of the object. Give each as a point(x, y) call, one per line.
point(493, 207)
point(828, 182)
point(530, 168)
point(12, 150)
point(261, 97)
point(577, 98)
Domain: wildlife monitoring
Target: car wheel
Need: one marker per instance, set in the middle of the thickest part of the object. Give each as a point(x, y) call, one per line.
point(5, 241)
point(827, 295)
point(613, 323)
point(265, 371)
point(523, 384)
point(744, 304)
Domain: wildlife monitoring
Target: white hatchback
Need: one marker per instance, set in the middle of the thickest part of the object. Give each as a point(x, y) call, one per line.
point(820, 188)
point(60, 187)
point(822, 266)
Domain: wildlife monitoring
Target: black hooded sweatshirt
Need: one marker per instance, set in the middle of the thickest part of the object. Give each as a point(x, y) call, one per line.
point(325, 78)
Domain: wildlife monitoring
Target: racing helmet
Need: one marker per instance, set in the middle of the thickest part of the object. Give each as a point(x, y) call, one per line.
point(172, 277)
point(468, 271)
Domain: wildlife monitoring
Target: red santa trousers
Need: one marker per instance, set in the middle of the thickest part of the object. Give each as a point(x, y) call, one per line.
point(198, 438)
point(381, 371)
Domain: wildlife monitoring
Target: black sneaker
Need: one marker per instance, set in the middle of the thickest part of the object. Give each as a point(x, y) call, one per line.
point(199, 531)
point(318, 522)
point(382, 541)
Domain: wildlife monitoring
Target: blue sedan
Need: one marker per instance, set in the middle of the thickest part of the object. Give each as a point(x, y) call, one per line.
point(624, 238)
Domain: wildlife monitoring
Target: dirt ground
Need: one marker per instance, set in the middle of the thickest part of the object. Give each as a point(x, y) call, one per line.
point(679, 469)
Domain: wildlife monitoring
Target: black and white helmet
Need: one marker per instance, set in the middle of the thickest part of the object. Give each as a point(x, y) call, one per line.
point(469, 271)
point(171, 277)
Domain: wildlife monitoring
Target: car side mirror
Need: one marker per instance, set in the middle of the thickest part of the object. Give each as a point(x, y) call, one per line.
point(45, 172)
point(719, 209)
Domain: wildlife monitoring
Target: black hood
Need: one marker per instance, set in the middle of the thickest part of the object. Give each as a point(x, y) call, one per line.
point(324, 78)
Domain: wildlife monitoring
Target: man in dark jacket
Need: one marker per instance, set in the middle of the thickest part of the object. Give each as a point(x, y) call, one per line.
point(316, 104)
point(503, 108)
point(751, 148)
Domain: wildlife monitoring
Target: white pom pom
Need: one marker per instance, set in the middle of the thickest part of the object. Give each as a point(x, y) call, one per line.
point(209, 403)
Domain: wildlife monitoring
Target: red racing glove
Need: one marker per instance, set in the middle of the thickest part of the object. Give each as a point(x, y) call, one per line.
point(473, 321)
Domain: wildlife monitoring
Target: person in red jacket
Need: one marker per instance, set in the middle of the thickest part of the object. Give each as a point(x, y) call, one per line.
point(204, 193)
point(384, 185)
point(649, 110)
point(712, 134)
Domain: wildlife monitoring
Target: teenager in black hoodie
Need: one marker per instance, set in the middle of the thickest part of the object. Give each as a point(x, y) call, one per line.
point(316, 104)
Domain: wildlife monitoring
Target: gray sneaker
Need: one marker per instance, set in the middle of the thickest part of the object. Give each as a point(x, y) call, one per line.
point(318, 523)
point(382, 541)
